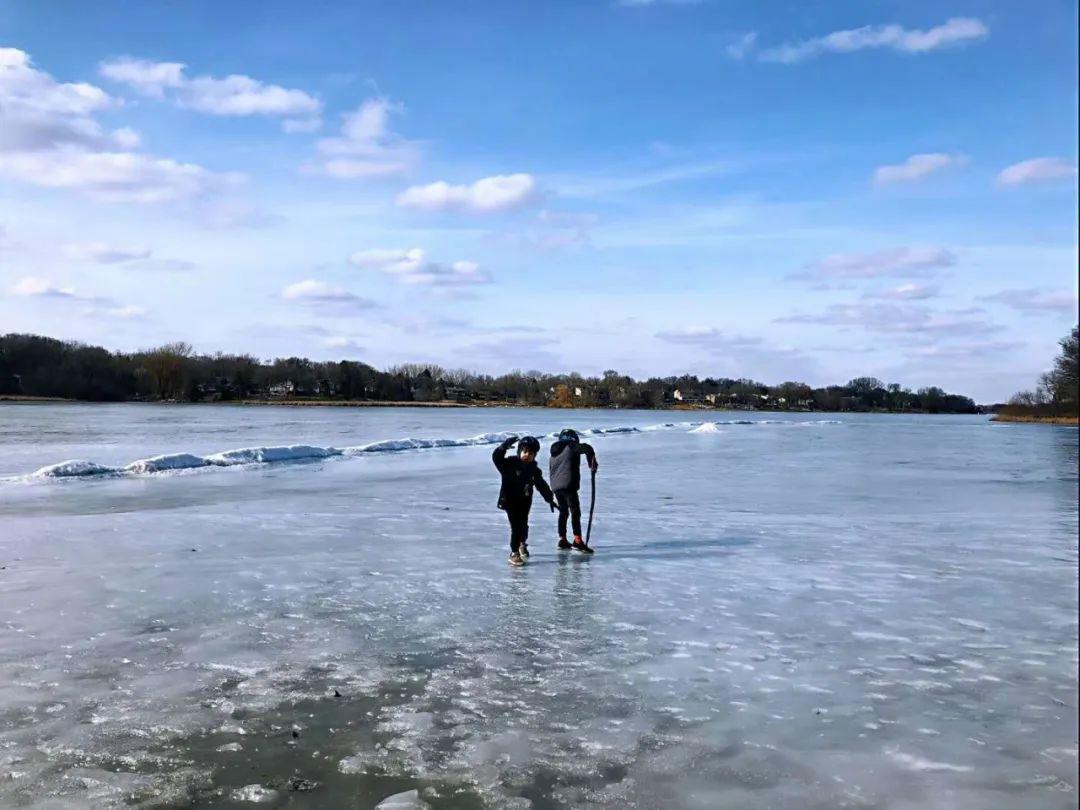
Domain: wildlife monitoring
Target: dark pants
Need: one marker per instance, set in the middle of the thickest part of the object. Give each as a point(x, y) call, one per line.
point(569, 506)
point(519, 527)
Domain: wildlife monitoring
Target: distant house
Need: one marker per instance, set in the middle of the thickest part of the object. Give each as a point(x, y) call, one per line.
point(577, 392)
point(456, 393)
point(216, 389)
point(687, 397)
point(282, 389)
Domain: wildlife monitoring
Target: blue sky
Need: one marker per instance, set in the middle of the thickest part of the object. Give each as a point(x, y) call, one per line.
point(809, 191)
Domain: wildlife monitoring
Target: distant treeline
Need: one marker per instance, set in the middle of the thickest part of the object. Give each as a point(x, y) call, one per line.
point(31, 365)
point(1057, 393)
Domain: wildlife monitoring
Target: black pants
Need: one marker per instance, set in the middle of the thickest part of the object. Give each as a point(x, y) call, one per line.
point(519, 527)
point(569, 506)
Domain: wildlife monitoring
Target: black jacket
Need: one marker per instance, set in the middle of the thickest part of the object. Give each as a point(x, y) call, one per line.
point(565, 464)
point(518, 480)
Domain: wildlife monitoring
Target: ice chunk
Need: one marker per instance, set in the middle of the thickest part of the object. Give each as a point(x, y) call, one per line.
point(73, 468)
point(706, 427)
point(257, 794)
point(408, 800)
point(265, 455)
point(171, 461)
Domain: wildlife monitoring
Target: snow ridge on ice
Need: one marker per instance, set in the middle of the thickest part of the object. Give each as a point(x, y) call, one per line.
point(73, 468)
point(170, 462)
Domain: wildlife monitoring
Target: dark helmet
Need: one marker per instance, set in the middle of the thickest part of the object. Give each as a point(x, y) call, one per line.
point(568, 435)
point(528, 443)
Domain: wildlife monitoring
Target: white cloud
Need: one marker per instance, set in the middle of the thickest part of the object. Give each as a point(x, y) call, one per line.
point(233, 95)
point(366, 147)
point(742, 46)
point(45, 289)
point(709, 337)
point(148, 78)
point(916, 167)
point(489, 195)
point(344, 344)
point(49, 138)
point(456, 274)
point(104, 253)
point(957, 29)
point(37, 287)
point(916, 322)
point(906, 292)
point(389, 260)
point(314, 292)
point(1037, 170)
point(39, 113)
point(1033, 302)
point(410, 267)
point(243, 96)
point(115, 176)
point(136, 258)
point(127, 138)
point(896, 261)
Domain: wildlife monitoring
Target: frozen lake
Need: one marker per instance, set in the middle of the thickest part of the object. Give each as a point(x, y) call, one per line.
point(806, 611)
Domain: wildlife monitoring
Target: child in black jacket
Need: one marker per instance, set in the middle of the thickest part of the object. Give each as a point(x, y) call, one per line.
point(519, 476)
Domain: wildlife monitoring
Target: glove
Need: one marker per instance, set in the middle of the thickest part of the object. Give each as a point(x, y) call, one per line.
point(595, 464)
point(552, 505)
point(506, 445)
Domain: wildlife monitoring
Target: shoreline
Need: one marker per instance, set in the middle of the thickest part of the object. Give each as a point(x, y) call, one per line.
point(24, 398)
point(362, 403)
point(1070, 421)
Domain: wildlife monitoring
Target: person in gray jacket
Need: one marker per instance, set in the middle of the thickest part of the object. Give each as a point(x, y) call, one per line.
point(565, 480)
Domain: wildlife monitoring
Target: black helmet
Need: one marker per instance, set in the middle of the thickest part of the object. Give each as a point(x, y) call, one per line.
point(528, 443)
point(568, 435)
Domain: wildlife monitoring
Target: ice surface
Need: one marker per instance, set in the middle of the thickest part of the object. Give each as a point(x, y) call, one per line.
point(868, 611)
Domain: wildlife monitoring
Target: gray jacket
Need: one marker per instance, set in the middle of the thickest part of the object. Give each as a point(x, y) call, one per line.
point(565, 464)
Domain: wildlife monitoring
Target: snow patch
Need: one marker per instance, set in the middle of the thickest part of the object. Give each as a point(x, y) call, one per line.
point(917, 763)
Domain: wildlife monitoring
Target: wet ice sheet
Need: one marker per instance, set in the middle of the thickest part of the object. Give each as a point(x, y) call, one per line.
point(880, 613)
